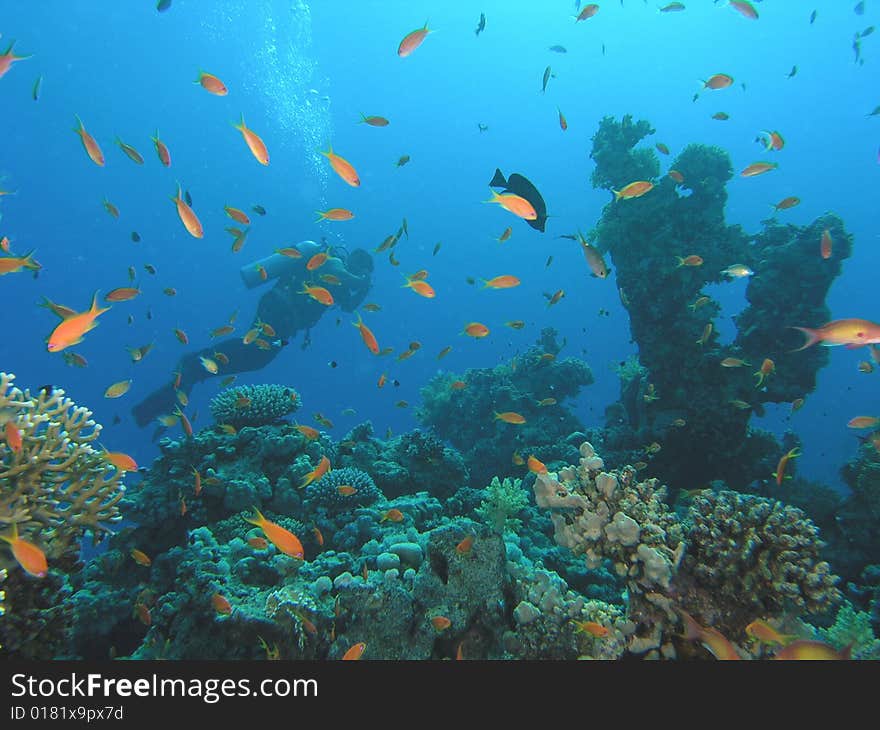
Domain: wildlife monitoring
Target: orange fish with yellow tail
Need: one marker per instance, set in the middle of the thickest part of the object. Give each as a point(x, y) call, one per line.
point(850, 332)
point(711, 639)
point(779, 474)
point(28, 555)
point(72, 329)
point(189, 219)
point(283, 539)
point(91, 147)
point(254, 142)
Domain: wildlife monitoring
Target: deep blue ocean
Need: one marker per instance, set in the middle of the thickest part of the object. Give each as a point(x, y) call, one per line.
point(302, 75)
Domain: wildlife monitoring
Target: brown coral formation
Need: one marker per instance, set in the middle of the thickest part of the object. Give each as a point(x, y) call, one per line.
point(58, 485)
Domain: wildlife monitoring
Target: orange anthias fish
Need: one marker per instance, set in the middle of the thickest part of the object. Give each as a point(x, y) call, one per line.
point(535, 466)
point(346, 490)
point(12, 435)
point(825, 245)
point(465, 546)
point(258, 543)
point(212, 84)
point(744, 8)
point(516, 204)
point(588, 12)
point(355, 652)
point(563, 124)
point(237, 215)
point(221, 604)
point(254, 142)
point(283, 539)
point(803, 649)
point(367, 335)
point(121, 294)
point(773, 140)
point(766, 634)
point(28, 555)
point(710, 638)
point(392, 515)
point(197, 483)
point(412, 40)
point(187, 217)
point(849, 332)
point(162, 150)
point(342, 167)
point(140, 557)
point(692, 260)
point(779, 474)
point(14, 264)
point(420, 287)
point(91, 147)
point(768, 367)
point(374, 121)
point(121, 461)
point(310, 433)
point(72, 329)
point(8, 58)
point(130, 152)
point(505, 281)
point(786, 203)
point(316, 473)
point(510, 417)
point(634, 190)
point(316, 261)
point(863, 422)
point(592, 628)
point(319, 294)
point(440, 623)
point(718, 81)
point(476, 329)
point(676, 175)
point(335, 214)
point(758, 168)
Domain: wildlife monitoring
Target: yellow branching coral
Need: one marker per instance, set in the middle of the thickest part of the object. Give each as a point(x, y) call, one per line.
point(57, 485)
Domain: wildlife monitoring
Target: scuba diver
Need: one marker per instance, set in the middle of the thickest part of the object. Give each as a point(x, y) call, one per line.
point(285, 307)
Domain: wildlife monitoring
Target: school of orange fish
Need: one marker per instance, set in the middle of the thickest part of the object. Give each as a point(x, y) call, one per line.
point(76, 324)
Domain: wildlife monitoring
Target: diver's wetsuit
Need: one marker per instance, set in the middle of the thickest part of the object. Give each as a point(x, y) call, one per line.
point(285, 308)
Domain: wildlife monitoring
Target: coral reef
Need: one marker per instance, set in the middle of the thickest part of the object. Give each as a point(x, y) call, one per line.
point(647, 238)
point(757, 554)
point(851, 628)
point(534, 385)
point(738, 557)
point(254, 405)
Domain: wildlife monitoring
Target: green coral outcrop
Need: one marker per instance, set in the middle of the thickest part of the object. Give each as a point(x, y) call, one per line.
point(505, 499)
point(254, 405)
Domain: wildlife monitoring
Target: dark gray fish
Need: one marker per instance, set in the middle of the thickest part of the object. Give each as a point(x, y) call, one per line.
point(482, 25)
point(163, 5)
point(482, 127)
point(259, 209)
point(875, 112)
point(188, 198)
point(857, 48)
point(135, 236)
point(36, 92)
point(867, 31)
point(549, 261)
point(558, 49)
point(859, 9)
point(812, 17)
point(792, 72)
point(603, 49)
point(519, 185)
point(436, 248)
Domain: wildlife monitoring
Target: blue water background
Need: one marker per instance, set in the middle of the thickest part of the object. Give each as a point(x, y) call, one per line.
point(302, 78)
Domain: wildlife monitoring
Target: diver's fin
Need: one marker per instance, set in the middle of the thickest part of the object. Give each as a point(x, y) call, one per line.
point(498, 180)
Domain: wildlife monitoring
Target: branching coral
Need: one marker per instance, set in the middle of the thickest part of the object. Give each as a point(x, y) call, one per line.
point(57, 485)
point(758, 554)
point(254, 405)
point(505, 499)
